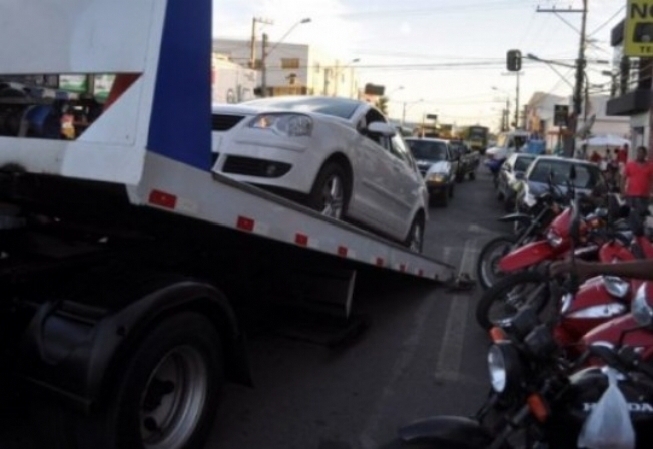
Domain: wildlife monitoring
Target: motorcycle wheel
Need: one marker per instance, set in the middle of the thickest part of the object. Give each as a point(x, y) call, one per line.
point(511, 294)
point(488, 260)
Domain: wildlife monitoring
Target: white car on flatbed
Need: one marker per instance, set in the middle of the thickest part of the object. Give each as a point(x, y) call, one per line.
point(337, 155)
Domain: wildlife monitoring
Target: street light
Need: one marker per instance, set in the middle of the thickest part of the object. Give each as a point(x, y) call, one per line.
point(506, 111)
point(264, 54)
point(403, 115)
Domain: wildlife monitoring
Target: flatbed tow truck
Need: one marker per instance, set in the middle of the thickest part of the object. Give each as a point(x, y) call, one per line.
point(124, 260)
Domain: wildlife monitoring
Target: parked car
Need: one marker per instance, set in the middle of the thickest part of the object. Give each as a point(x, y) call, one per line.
point(339, 156)
point(589, 180)
point(468, 160)
point(512, 172)
point(436, 161)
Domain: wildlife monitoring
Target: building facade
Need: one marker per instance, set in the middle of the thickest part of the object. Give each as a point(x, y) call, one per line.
point(293, 69)
point(540, 117)
point(630, 91)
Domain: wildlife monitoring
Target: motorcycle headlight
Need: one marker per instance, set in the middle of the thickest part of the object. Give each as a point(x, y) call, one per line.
point(616, 286)
point(529, 200)
point(553, 238)
point(291, 125)
point(641, 310)
point(503, 366)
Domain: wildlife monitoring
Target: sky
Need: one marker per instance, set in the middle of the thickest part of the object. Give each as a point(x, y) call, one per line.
point(444, 57)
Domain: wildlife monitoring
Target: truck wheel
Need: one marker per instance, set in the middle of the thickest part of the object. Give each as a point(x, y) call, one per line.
point(164, 397)
point(168, 392)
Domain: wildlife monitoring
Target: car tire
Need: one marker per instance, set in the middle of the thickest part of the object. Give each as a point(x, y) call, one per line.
point(330, 193)
point(472, 176)
point(415, 238)
point(451, 190)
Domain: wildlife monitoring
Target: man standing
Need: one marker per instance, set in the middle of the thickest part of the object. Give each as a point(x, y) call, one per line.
point(636, 183)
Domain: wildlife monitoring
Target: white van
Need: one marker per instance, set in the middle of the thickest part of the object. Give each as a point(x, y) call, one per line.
point(507, 143)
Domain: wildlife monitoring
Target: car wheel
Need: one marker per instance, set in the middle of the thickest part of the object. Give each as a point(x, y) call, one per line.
point(330, 192)
point(415, 239)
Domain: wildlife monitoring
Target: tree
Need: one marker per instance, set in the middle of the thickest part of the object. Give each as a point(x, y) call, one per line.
point(382, 104)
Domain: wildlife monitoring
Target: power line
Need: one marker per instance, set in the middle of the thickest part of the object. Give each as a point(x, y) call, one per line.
point(604, 24)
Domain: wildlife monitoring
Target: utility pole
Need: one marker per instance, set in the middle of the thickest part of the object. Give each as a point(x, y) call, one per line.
point(252, 43)
point(264, 45)
point(580, 70)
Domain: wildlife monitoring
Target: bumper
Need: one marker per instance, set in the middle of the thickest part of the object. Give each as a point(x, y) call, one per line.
point(438, 188)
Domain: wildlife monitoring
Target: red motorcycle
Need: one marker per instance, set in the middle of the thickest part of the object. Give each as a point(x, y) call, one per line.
point(634, 329)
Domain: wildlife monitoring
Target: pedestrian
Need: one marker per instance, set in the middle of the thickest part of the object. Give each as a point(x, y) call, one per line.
point(595, 157)
point(637, 181)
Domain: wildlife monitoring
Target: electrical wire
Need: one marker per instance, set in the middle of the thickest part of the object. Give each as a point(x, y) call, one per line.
point(604, 24)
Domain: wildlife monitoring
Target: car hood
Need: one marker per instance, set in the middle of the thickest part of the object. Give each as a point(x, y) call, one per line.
point(434, 167)
point(246, 110)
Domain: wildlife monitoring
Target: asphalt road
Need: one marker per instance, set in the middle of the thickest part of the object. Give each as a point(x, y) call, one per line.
point(421, 354)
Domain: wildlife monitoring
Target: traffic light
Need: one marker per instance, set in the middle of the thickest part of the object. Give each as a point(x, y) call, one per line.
point(560, 115)
point(513, 61)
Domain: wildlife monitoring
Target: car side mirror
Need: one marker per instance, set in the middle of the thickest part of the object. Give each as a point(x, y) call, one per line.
point(382, 128)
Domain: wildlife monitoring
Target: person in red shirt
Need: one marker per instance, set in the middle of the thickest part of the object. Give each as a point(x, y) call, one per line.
point(637, 181)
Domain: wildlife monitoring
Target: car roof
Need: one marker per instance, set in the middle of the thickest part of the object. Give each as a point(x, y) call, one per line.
point(429, 139)
point(567, 159)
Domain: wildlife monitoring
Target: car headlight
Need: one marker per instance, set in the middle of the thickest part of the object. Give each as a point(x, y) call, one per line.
point(436, 177)
point(503, 366)
point(616, 286)
point(641, 310)
point(291, 125)
point(553, 238)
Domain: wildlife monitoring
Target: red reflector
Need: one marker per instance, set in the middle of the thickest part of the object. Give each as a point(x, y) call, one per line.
point(163, 199)
point(301, 239)
point(342, 251)
point(380, 262)
point(245, 224)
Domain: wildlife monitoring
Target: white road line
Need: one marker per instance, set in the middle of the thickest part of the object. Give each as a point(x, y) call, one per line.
point(410, 346)
point(451, 349)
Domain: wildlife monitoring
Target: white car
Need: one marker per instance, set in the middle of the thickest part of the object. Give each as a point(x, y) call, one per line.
point(339, 156)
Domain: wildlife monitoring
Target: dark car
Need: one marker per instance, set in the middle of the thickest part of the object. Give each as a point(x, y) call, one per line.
point(512, 171)
point(435, 160)
point(589, 179)
point(468, 160)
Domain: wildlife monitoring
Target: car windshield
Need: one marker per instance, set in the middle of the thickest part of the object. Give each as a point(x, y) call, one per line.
point(430, 150)
point(338, 107)
point(587, 176)
point(522, 163)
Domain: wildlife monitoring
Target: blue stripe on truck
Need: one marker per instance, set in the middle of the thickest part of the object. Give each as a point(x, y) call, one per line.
point(180, 127)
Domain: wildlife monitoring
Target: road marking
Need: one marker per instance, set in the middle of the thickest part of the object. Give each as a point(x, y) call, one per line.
point(453, 341)
point(410, 346)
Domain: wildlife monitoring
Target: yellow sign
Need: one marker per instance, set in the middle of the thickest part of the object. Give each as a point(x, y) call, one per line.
point(638, 32)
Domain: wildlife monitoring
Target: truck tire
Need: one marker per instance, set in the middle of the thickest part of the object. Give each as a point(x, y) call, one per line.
point(171, 380)
point(167, 394)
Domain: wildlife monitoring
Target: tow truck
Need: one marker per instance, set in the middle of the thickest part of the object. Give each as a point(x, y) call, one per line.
point(125, 262)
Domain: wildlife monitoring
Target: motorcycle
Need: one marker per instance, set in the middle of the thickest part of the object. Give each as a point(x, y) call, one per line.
point(532, 226)
point(539, 399)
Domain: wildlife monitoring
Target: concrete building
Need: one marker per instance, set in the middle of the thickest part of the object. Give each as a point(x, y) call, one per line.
point(631, 91)
point(540, 117)
point(294, 69)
